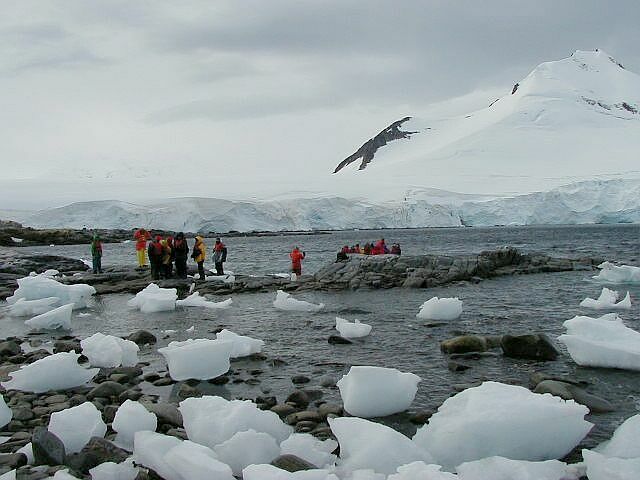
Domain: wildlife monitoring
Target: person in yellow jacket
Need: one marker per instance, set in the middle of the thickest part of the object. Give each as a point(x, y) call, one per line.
point(199, 254)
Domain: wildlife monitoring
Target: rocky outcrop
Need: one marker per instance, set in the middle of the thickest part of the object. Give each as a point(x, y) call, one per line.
point(533, 347)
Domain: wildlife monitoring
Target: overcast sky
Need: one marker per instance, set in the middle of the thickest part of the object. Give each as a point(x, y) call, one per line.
point(256, 87)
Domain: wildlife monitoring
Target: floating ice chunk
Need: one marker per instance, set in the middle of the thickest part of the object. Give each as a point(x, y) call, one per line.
point(28, 308)
point(377, 391)
point(200, 359)
point(352, 330)
point(6, 414)
point(191, 329)
point(422, 471)
point(211, 420)
point(39, 287)
point(495, 419)
point(76, 425)
point(55, 372)
point(440, 309)
point(365, 444)
point(197, 462)
point(500, 468)
point(169, 332)
point(242, 345)
point(284, 301)
point(607, 301)
point(17, 239)
point(150, 449)
point(600, 467)
point(154, 299)
point(610, 273)
point(311, 449)
point(114, 471)
point(195, 300)
point(269, 472)
point(246, 448)
point(107, 351)
point(602, 342)
point(130, 418)
point(57, 318)
point(624, 442)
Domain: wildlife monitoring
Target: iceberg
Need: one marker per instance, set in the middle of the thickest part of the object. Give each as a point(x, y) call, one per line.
point(57, 318)
point(200, 359)
point(507, 469)
point(130, 418)
point(315, 451)
point(377, 391)
point(242, 345)
point(440, 309)
point(610, 273)
point(284, 301)
point(600, 467)
point(247, 448)
point(28, 308)
point(422, 471)
point(624, 441)
point(154, 299)
point(40, 286)
point(55, 372)
point(369, 445)
point(602, 342)
point(607, 301)
point(212, 420)
point(76, 425)
point(107, 351)
point(495, 419)
point(352, 330)
point(6, 414)
point(195, 300)
point(196, 462)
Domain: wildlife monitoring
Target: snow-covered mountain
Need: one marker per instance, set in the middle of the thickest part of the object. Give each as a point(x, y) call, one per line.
point(611, 201)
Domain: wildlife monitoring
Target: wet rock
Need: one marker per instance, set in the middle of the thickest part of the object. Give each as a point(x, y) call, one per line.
point(58, 398)
point(569, 391)
point(328, 381)
point(151, 376)
point(421, 417)
point(142, 337)
point(106, 389)
point(266, 403)
point(119, 378)
point(58, 407)
point(277, 362)
point(221, 380)
point(533, 347)
point(22, 413)
point(283, 409)
point(338, 340)
point(330, 409)
point(291, 463)
point(76, 400)
point(298, 398)
point(10, 348)
point(304, 416)
point(97, 451)
point(166, 412)
point(131, 394)
point(472, 355)
point(464, 344)
point(47, 448)
point(305, 426)
point(187, 391)
point(537, 377)
point(161, 382)
point(67, 346)
point(457, 367)
point(13, 460)
point(298, 379)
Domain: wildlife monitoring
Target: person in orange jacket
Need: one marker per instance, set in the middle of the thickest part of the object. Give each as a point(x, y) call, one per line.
point(141, 236)
point(199, 255)
point(296, 260)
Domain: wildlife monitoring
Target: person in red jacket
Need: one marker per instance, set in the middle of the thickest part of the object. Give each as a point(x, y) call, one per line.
point(141, 236)
point(296, 260)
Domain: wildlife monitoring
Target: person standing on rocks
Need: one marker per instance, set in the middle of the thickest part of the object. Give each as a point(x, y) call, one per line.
point(219, 256)
point(141, 236)
point(296, 260)
point(96, 253)
point(181, 252)
point(199, 254)
point(155, 257)
point(167, 257)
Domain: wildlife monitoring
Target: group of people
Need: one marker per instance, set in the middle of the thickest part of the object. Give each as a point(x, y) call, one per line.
point(373, 248)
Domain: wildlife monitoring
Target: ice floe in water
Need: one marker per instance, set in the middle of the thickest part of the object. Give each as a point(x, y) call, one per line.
point(505, 468)
point(610, 273)
point(41, 286)
point(377, 391)
point(602, 342)
point(76, 425)
point(130, 418)
point(53, 319)
point(212, 420)
point(55, 372)
point(607, 301)
point(369, 445)
point(6, 414)
point(28, 308)
point(199, 358)
point(242, 345)
point(600, 467)
point(154, 299)
point(313, 450)
point(352, 330)
point(495, 419)
point(107, 351)
point(247, 448)
point(284, 301)
point(195, 300)
point(440, 309)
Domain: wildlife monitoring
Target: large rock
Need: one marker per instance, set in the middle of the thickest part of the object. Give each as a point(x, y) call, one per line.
point(464, 344)
point(10, 348)
point(291, 463)
point(106, 389)
point(142, 337)
point(166, 413)
point(533, 347)
point(48, 449)
point(97, 451)
point(569, 391)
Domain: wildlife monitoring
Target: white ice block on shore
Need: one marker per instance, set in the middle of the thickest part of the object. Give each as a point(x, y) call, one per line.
point(200, 359)
point(242, 345)
point(107, 351)
point(53, 319)
point(40, 286)
point(76, 425)
point(153, 299)
point(28, 308)
point(130, 418)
